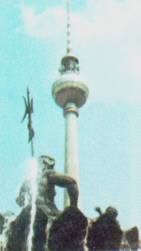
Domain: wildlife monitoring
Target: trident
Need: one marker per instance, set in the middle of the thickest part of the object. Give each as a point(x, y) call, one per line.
point(29, 111)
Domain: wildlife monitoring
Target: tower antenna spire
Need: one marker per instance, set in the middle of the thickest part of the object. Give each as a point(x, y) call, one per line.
point(69, 50)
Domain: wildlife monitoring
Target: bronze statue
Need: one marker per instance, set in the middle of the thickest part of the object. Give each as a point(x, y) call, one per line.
point(130, 239)
point(105, 233)
point(68, 231)
point(47, 179)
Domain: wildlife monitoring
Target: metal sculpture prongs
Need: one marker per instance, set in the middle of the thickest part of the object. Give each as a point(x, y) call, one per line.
point(29, 111)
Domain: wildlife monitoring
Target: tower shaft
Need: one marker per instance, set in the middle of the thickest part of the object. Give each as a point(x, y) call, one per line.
point(71, 147)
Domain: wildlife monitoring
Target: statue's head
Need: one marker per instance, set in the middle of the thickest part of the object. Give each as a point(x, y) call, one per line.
point(112, 211)
point(46, 162)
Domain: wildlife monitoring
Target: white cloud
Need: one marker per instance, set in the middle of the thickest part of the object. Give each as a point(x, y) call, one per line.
point(105, 19)
point(113, 17)
point(110, 23)
point(109, 17)
point(47, 25)
point(134, 64)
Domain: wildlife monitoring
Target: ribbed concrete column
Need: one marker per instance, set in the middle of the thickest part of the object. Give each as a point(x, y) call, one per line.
point(71, 147)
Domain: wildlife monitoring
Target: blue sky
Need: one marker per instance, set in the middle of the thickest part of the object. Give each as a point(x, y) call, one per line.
point(106, 38)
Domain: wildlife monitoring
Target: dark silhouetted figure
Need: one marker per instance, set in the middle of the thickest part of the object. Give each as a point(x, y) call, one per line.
point(131, 239)
point(105, 232)
point(68, 231)
point(2, 220)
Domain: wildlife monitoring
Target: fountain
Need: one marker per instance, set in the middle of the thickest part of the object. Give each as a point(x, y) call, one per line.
point(69, 230)
point(33, 228)
point(28, 232)
point(41, 226)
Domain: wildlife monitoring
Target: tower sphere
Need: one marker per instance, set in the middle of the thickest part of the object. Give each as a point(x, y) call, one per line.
point(69, 88)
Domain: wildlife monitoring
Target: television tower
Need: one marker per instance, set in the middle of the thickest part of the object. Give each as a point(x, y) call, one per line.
point(70, 93)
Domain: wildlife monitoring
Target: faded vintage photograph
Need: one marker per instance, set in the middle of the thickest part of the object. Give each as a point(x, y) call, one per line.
point(70, 125)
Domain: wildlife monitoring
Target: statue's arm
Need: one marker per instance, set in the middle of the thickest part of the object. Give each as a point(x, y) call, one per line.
point(98, 209)
point(59, 179)
point(66, 181)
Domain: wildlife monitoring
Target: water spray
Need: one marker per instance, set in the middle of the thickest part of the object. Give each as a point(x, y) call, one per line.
point(33, 172)
point(33, 167)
